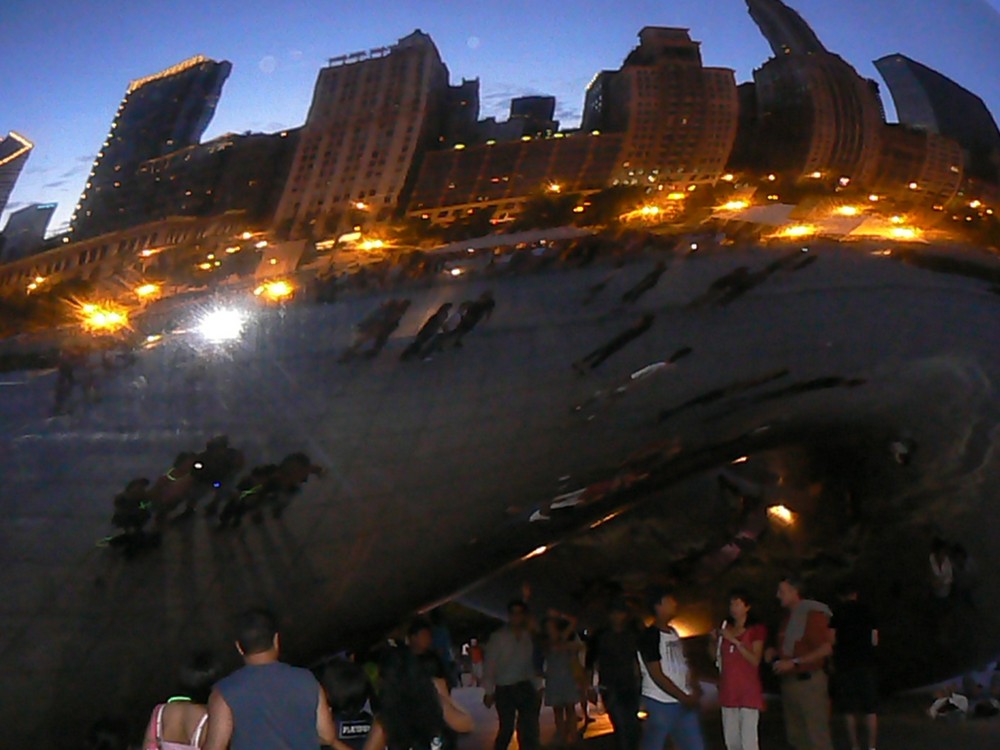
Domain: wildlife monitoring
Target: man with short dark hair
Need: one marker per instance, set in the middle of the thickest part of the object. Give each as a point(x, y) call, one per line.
point(804, 644)
point(511, 681)
point(267, 704)
point(855, 637)
point(672, 695)
point(419, 637)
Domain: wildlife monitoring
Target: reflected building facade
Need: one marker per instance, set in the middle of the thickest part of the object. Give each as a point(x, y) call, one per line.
point(816, 117)
point(14, 152)
point(678, 118)
point(372, 117)
point(160, 114)
point(24, 233)
point(929, 101)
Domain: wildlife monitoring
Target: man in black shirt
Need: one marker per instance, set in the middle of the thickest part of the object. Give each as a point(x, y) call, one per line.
point(613, 653)
point(855, 690)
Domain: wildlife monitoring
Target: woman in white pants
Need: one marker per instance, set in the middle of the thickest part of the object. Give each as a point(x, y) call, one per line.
point(739, 649)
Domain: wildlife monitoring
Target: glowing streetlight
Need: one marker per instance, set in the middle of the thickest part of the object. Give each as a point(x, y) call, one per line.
point(676, 196)
point(247, 235)
point(275, 290)
point(975, 204)
point(361, 205)
point(896, 219)
point(369, 245)
point(847, 210)
point(145, 291)
point(261, 245)
point(102, 318)
point(736, 205)
point(728, 177)
point(554, 187)
point(798, 230)
point(904, 233)
point(223, 324)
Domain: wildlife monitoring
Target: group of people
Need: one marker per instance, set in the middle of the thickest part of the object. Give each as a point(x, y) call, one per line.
point(647, 673)
point(212, 473)
point(268, 704)
point(444, 328)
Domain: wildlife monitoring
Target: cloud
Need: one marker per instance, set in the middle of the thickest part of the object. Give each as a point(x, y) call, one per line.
point(275, 126)
point(496, 101)
point(57, 183)
point(87, 158)
point(37, 170)
point(72, 172)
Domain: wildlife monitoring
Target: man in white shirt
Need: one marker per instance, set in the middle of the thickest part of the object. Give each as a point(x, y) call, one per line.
point(671, 695)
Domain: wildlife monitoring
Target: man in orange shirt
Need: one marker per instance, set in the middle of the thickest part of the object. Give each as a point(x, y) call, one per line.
point(805, 642)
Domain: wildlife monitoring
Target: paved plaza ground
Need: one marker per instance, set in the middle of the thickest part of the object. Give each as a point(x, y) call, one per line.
point(904, 727)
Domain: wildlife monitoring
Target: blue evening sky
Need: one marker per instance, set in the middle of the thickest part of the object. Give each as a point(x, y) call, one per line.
point(65, 65)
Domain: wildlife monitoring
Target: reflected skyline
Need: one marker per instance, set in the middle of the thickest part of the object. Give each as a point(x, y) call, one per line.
point(276, 54)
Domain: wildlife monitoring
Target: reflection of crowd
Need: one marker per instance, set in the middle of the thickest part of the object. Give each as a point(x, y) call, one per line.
point(266, 488)
point(444, 329)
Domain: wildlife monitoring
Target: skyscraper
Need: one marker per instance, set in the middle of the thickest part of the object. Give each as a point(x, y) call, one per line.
point(930, 101)
point(678, 117)
point(24, 233)
point(816, 117)
point(160, 113)
point(784, 29)
point(14, 152)
point(373, 115)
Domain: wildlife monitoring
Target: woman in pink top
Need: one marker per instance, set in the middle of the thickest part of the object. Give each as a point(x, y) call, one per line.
point(739, 649)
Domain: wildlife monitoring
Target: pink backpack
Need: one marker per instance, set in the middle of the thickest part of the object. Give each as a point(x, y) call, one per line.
point(154, 734)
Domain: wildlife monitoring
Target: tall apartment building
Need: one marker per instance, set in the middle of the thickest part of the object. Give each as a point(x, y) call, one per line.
point(24, 233)
point(14, 152)
point(372, 116)
point(816, 117)
point(159, 114)
point(927, 100)
point(678, 117)
point(502, 176)
point(918, 166)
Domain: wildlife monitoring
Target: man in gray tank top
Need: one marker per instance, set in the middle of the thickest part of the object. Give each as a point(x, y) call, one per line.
point(267, 705)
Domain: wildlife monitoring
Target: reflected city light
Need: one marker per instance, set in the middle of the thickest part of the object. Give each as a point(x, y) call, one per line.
point(223, 324)
point(145, 291)
point(904, 233)
point(781, 515)
point(102, 318)
point(275, 290)
point(537, 552)
point(736, 205)
point(676, 196)
point(847, 210)
point(372, 244)
point(797, 230)
point(247, 235)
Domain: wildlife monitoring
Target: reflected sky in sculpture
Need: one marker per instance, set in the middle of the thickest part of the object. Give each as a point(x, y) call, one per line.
point(66, 64)
point(435, 469)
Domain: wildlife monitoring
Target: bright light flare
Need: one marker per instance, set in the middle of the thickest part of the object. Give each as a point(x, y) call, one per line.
point(261, 245)
point(904, 233)
point(537, 552)
point(275, 290)
point(847, 211)
point(145, 291)
point(781, 515)
point(797, 230)
point(246, 235)
point(728, 177)
point(223, 324)
point(736, 205)
point(554, 187)
point(652, 210)
point(102, 318)
point(455, 271)
point(677, 196)
point(369, 245)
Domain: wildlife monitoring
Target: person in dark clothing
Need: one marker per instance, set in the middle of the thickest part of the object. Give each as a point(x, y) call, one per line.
point(415, 710)
point(214, 469)
point(132, 513)
point(388, 325)
point(646, 283)
point(427, 331)
point(594, 360)
point(613, 655)
point(349, 691)
point(251, 494)
point(287, 480)
point(855, 689)
point(479, 310)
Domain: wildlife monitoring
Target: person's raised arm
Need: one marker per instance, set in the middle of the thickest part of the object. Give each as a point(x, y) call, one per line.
point(220, 723)
point(457, 718)
point(376, 738)
point(489, 671)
